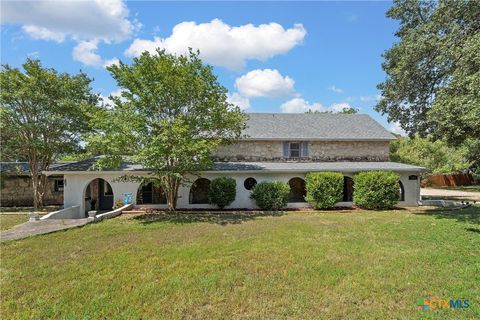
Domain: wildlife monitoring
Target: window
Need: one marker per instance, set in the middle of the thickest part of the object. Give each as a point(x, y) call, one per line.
point(107, 189)
point(294, 150)
point(249, 183)
point(58, 187)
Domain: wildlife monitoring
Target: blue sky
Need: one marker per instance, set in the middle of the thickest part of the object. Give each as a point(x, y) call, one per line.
point(271, 56)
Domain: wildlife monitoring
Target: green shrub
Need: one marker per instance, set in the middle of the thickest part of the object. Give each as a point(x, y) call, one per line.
point(376, 189)
point(324, 189)
point(271, 195)
point(222, 191)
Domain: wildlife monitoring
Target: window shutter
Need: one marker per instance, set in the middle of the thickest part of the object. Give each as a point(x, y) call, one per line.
point(305, 149)
point(286, 147)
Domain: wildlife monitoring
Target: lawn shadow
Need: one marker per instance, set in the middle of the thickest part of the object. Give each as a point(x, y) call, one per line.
point(473, 230)
point(222, 218)
point(469, 215)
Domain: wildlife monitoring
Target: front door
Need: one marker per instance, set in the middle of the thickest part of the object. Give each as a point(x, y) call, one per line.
point(105, 196)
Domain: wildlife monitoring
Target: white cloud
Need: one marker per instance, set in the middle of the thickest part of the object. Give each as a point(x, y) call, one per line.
point(299, 105)
point(335, 89)
point(239, 100)
point(224, 45)
point(105, 20)
point(43, 33)
point(109, 62)
point(397, 129)
point(107, 99)
point(86, 53)
point(264, 83)
point(338, 107)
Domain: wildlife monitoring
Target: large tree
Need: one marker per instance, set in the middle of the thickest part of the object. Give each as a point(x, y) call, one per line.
point(43, 115)
point(172, 114)
point(433, 71)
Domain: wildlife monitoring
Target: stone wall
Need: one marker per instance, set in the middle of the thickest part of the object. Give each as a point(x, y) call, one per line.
point(318, 151)
point(17, 191)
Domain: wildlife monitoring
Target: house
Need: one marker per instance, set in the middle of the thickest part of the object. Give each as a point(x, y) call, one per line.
point(282, 147)
point(16, 188)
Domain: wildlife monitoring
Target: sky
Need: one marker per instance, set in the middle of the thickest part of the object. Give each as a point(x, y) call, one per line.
point(271, 56)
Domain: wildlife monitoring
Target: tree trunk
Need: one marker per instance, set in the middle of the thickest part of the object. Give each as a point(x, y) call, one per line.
point(35, 190)
point(170, 185)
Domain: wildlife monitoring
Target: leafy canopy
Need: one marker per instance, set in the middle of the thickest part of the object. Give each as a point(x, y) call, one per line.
point(43, 116)
point(435, 155)
point(171, 116)
point(433, 72)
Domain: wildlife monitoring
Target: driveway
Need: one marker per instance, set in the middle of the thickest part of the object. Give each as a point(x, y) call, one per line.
point(450, 194)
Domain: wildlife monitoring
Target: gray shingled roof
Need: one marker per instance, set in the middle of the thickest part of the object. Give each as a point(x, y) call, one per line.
point(314, 166)
point(86, 165)
point(313, 126)
point(21, 168)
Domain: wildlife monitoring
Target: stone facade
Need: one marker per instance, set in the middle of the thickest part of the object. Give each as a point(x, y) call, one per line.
point(318, 151)
point(17, 191)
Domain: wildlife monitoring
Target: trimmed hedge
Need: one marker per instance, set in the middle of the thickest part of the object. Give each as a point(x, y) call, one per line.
point(271, 195)
point(222, 191)
point(324, 189)
point(376, 189)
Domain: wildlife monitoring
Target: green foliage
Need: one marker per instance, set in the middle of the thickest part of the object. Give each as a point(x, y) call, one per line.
point(171, 116)
point(324, 189)
point(222, 191)
point(472, 153)
point(271, 195)
point(376, 189)
point(44, 115)
point(346, 110)
point(433, 70)
point(434, 155)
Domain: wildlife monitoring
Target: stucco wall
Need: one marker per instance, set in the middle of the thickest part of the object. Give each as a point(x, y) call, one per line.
point(76, 185)
point(318, 151)
point(17, 191)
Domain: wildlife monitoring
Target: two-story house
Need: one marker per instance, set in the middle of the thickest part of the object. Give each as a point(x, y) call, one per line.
point(283, 147)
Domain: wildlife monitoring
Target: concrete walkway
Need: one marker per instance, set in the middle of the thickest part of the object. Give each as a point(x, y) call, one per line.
point(450, 194)
point(32, 228)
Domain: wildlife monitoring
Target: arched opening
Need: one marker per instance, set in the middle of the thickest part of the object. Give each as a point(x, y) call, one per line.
point(402, 191)
point(149, 193)
point(199, 191)
point(297, 190)
point(250, 183)
point(98, 195)
point(347, 189)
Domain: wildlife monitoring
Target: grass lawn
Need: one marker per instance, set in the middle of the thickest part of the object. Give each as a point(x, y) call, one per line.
point(9, 220)
point(328, 265)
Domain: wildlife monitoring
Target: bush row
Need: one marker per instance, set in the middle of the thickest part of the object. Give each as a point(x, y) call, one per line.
point(373, 190)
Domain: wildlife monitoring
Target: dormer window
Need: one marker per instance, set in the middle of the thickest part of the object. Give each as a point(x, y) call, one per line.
point(294, 150)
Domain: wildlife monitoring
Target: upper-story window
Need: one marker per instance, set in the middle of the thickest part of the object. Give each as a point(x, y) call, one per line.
point(294, 150)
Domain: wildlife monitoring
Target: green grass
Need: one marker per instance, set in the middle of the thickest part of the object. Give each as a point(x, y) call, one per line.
point(328, 265)
point(9, 220)
point(29, 209)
